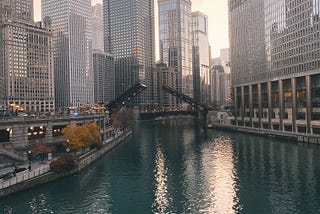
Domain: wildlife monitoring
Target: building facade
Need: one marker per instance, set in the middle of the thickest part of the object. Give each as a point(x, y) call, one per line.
point(72, 38)
point(220, 86)
point(166, 76)
point(175, 29)
point(103, 64)
point(275, 47)
point(97, 28)
point(129, 37)
point(200, 57)
point(103, 69)
point(26, 61)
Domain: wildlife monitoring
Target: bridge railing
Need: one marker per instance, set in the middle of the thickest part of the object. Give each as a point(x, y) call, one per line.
point(23, 176)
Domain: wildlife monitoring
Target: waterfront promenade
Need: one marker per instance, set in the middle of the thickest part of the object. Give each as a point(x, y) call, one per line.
point(40, 171)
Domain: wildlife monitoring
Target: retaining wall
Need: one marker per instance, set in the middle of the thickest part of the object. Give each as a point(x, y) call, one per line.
point(85, 161)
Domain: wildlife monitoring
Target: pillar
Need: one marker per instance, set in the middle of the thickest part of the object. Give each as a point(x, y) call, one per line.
point(281, 104)
point(294, 104)
point(309, 107)
point(260, 104)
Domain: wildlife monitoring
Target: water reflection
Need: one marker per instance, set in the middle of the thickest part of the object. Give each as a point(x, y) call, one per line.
point(161, 202)
point(219, 176)
point(177, 167)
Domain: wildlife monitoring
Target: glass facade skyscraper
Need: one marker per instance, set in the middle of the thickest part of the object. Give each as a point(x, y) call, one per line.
point(275, 48)
point(129, 38)
point(201, 58)
point(175, 28)
point(71, 23)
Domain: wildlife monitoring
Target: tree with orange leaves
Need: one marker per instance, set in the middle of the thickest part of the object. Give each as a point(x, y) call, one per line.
point(73, 136)
point(81, 136)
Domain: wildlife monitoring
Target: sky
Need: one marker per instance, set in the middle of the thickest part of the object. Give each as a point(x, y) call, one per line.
point(216, 10)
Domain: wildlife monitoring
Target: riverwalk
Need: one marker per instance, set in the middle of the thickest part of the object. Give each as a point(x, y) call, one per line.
point(40, 172)
point(295, 136)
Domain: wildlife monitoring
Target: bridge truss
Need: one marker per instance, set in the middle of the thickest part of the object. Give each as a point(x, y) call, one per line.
point(120, 101)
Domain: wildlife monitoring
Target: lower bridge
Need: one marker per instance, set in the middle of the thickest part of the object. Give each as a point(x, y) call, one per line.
point(157, 114)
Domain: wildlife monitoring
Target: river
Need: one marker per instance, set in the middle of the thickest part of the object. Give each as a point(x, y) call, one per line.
point(175, 166)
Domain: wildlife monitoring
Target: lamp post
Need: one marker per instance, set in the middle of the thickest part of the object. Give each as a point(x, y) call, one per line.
point(68, 146)
point(29, 158)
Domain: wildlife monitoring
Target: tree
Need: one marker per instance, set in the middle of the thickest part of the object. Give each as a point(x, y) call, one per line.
point(73, 135)
point(81, 136)
point(123, 118)
point(91, 134)
point(40, 148)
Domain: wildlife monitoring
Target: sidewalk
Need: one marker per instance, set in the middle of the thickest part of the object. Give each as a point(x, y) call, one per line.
point(37, 168)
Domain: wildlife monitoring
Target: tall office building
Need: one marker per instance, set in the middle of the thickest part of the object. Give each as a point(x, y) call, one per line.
point(166, 76)
point(103, 64)
point(97, 27)
point(275, 48)
point(26, 64)
point(71, 24)
point(129, 37)
point(220, 85)
point(175, 29)
point(200, 57)
point(18, 9)
point(103, 69)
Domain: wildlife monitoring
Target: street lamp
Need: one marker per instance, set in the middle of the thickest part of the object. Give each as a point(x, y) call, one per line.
point(29, 158)
point(68, 147)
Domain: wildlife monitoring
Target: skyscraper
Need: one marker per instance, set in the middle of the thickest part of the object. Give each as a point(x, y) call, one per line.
point(103, 64)
point(97, 27)
point(26, 64)
point(129, 37)
point(19, 9)
point(175, 28)
point(71, 23)
point(200, 57)
point(275, 47)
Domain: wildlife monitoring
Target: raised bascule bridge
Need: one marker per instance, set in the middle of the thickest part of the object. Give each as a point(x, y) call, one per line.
point(197, 109)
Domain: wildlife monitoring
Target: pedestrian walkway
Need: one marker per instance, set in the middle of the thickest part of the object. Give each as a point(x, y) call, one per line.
point(37, 169)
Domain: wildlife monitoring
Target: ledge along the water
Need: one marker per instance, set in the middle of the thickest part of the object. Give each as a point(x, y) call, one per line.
point(44, 175)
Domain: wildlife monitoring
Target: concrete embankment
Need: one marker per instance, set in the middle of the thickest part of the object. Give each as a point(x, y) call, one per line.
point(294, 136)
point(85, 160)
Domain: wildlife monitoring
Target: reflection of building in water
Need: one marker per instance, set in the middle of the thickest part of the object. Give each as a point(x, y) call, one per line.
point(161, 202)
point(277, 171)
point(210, 177)
point(275, 48)
point(220, 176)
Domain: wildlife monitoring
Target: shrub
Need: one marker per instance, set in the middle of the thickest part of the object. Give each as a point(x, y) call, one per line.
point(64, 164)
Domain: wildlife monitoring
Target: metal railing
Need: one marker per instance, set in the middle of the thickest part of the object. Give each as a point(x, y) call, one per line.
point(23, 176)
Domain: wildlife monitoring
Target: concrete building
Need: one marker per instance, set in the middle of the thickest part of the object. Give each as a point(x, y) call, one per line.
point(220, 86)
point(72, 33)
point(26, 64)
point(97, 28)
point(18, 9)
point(103, 64)
point(103, 69)
point(200, 57)
point(166, 76)
point(275, 64)
point(175, 29)
point(129, 37)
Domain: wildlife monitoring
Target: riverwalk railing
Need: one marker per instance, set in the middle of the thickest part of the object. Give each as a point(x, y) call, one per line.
point(301, 137)
point(23, 176)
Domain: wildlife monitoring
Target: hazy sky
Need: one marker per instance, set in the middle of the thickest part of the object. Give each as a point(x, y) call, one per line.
point(216, 10)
